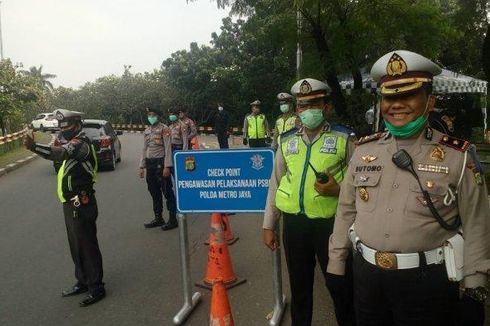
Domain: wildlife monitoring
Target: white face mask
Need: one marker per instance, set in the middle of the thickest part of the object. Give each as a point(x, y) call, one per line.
point(220, 108)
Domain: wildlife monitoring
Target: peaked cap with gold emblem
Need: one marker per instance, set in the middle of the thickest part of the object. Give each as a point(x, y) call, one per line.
point(403, 71)
point(309, 90)
point(284, 97)
point(255, 103)
point(67, 117)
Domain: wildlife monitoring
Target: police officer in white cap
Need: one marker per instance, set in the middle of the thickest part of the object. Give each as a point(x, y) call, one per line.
point(310, 164)
point(287, 120)
point(255, 127)
point(407, 196)
point(76, 178)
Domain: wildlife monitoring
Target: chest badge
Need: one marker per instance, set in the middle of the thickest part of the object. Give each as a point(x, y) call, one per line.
point(368, 158)
point(329, 145)
point(363, 194)
point(429, 184)
point(293, 146)
point(438, 154)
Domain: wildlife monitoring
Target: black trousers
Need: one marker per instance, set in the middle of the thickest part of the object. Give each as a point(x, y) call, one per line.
point(222, 139)
point(420, 296)
point(306, 241)
point(84, 247)
point(257, 142)
point(158, 185)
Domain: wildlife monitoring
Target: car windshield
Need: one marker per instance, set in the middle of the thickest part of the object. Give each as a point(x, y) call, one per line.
point(93, 130)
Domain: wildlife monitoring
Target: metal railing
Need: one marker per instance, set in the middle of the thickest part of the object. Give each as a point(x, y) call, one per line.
point(11, 141)
point(202, 130)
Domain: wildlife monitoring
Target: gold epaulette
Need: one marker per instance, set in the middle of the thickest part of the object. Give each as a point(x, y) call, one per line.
point(370, 138)
point(456, 143)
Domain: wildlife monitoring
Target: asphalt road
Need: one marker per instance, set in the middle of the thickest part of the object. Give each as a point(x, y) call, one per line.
point(141, 267)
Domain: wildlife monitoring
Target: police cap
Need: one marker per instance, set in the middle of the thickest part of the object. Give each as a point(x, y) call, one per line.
point(309, 90)
point(403, 71)
point(255, 103)
point(284, 98)
point(67, 117)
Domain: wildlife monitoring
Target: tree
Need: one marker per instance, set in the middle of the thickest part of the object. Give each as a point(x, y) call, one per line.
point(42, 79)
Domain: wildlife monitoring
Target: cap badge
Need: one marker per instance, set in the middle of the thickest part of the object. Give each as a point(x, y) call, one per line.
point(396, 66)
point(305, 87)
point(59, 116)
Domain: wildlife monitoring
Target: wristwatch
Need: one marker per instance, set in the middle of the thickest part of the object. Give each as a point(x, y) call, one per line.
point(478, 294)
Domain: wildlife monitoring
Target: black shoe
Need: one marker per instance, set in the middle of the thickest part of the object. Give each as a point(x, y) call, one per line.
point(170, 225)
point(156, 222)
point(74, 290)
point(92, 298)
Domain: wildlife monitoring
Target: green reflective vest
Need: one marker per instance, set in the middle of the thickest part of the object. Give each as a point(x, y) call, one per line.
point(256, 126)
point(296, 193)
point(67, 184)
point(285, 123)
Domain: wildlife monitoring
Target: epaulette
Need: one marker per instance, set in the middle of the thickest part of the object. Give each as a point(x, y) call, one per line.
point(370, 138)
point(455, 143)
point(289, 133)
point(475, 166)
point(342, 129)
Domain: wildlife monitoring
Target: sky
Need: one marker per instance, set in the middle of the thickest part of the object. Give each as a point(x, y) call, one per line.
point(81, 40)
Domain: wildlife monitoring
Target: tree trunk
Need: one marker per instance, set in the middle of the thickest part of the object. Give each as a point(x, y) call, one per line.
point(2, 126)
point(357, 76)
point(486, 54)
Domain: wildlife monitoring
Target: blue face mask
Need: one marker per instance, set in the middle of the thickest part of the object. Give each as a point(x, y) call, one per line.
point(152, 119)
point(70, 133)
point(172, 117)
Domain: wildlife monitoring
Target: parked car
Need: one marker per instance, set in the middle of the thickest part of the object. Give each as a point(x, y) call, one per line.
point(104, 138)
point(45, 121)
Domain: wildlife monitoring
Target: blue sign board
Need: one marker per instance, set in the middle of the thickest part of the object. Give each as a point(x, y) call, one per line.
point(222, 181)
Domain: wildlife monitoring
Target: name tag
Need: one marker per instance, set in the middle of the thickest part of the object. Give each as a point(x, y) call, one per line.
point(293, 146)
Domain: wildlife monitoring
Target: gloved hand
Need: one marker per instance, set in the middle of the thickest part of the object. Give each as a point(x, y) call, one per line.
point(470, 312)
point(341, 290)
point(245, 141)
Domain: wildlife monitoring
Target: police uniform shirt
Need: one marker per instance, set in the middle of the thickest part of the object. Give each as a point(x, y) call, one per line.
point(189, 126)
point(180, 134)
point(157, 144)
point(272, 213)
point(390, 214)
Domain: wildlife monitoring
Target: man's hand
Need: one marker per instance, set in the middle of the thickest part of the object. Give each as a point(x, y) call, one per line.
point(245, 141)
point(166, 172)
point(142, 172)
point(29, 141)
point(330, 188)
point(471, 312)
point(270, 239)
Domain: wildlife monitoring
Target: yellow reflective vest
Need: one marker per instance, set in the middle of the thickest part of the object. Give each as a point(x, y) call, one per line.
point(296, 193)
point(285, 123)
point(256, 126)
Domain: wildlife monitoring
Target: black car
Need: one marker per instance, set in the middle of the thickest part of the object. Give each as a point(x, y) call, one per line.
point(104, 138)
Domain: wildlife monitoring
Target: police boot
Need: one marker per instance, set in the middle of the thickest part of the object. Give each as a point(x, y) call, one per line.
point(172, 222)
point(158, 221)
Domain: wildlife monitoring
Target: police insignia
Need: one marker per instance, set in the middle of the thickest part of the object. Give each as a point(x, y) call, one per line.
point(363, 194)
point(368, 158)
point(437, 154)
point(190, 163)
point(396, 65)
point(257, 162)
point(329, 145)
point(293, 146)
point(305, 87)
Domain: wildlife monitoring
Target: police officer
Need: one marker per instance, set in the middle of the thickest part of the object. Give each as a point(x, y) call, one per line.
point(287, 120)
point(255, 127)
point(221, 124)
point(188, 126)
point(403, 213)
point(309, 165)
point(76, 177)
point(180, 139)
point(157, 160)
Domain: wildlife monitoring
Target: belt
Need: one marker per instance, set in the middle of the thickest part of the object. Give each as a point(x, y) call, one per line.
point(393, 261)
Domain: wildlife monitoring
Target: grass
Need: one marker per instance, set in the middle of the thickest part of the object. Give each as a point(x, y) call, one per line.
point(21, 152)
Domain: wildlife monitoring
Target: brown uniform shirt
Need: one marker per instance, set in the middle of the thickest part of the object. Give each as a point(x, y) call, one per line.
point(190, 127)
point(180, 134)
point(272, 213)
point(393, 216)
point(157, 144)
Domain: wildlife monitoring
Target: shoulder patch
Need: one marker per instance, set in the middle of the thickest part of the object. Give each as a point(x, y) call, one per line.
point(342, 129)
point(370, 138)
point(455, 143)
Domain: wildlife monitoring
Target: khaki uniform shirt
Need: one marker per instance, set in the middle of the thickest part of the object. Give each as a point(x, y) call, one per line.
point(157, 144)
point(272, 213)
point(190, 126)
point(180, 134)
point(394, 217)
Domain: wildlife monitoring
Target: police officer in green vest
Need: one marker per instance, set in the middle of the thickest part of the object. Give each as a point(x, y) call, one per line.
point(287, 120)
point(255, 127)
point(310, 164)
point(76, 178)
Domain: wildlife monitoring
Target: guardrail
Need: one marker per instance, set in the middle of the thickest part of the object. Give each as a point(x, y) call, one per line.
point(201, 129)
point(11, 141)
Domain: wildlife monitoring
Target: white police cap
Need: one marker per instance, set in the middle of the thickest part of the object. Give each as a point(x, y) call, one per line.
point(402, 71)
point(284, 97)
point(308, 89)
point(66, 117)
point(255, 103)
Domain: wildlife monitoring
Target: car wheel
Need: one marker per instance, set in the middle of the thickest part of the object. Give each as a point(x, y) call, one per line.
point(119, 158)
point(112, 166)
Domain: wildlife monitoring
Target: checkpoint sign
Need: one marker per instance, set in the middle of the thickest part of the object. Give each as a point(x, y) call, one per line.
point(222, 181)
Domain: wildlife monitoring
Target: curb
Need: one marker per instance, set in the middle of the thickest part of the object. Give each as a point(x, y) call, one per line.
point(19, 163)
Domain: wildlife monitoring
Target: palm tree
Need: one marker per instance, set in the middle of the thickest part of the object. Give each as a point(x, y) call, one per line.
point(37, 74)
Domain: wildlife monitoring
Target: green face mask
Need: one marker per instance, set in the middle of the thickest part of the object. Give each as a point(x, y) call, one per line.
point(407, 130)
point(152, 119)
point(284, 108)
point(172, 117)
point(311, 118)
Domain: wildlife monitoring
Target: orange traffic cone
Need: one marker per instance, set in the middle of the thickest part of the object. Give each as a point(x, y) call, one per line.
point(228, 232)
point(220, 314)
point(219, 261)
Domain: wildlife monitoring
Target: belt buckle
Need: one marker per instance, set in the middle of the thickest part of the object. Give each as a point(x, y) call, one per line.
point(386, 260)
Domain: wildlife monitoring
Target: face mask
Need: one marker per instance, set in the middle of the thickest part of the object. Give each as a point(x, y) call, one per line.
point(220, 108)
point(311, 118)
point(410, 128)
point(152, 119)
point(172, 117)
point(284, 108)
point(70, 133)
